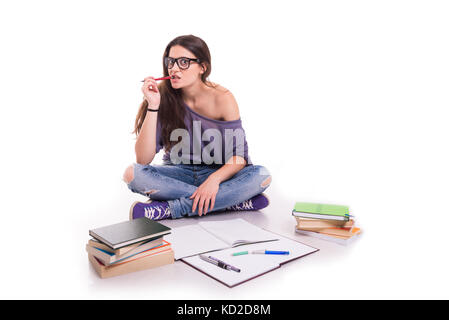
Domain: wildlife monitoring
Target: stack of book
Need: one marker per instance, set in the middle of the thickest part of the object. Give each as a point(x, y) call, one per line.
point(129, 246)
point(325, 221)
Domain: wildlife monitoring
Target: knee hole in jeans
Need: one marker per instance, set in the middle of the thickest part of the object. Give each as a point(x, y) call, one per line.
point(266, 182)
point(128, 176)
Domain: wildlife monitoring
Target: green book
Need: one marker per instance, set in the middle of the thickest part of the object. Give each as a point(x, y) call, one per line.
point(321, 211)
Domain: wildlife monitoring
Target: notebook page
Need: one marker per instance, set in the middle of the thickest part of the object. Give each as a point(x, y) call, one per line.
point(248, 268)
point(251, 265)
point(191, 240)
point(237, 231)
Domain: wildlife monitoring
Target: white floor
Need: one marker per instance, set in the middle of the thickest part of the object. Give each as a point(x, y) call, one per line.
point(179, 281)
point(47, 259)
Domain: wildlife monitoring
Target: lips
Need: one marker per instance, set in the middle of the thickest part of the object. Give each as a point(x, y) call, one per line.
point(175, 77)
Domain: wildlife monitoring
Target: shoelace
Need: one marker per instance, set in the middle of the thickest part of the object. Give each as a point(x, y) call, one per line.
point(245, 205)
point(157, 212)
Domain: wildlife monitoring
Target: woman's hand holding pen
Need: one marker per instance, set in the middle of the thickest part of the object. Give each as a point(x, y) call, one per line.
point(205, 195)
point(151, 92)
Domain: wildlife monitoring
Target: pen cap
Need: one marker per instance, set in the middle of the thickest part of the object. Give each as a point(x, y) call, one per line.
point(240, 253)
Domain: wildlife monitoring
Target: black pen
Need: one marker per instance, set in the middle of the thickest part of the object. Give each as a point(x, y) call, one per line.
point(218, 263)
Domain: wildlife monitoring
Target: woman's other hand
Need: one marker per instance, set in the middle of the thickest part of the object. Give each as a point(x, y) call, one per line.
point(204, 196)
point(151, 92)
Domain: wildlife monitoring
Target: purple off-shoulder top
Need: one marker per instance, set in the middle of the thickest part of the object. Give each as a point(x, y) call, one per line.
point(205, 141)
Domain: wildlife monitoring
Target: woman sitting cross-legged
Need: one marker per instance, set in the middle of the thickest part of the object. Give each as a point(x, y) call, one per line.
point(206, 167)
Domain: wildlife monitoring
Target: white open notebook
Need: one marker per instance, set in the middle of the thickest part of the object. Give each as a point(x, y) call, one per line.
point(250, 265)
point(215, 235)
point(222, 238)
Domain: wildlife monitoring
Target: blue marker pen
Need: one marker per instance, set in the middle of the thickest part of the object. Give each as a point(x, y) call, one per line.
point(270, 252)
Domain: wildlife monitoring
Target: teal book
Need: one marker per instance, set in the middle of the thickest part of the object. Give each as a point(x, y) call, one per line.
point(321, 211)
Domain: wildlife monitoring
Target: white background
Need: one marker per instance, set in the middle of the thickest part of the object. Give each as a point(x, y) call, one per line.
point(343, 101)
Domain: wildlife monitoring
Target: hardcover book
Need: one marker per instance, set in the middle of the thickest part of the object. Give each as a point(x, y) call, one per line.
point(151, 260)
point(109, 258)
point(321, 211)
point(125, 233)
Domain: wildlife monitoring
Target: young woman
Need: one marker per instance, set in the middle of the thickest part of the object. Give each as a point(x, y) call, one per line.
point(206, 167)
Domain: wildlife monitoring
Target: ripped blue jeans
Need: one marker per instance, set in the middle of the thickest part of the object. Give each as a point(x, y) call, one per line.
point(176, 183)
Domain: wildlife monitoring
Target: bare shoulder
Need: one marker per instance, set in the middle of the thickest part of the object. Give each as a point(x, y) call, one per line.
point(226, 104)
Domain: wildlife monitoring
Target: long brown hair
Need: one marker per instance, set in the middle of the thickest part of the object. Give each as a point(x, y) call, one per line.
point(172, 110)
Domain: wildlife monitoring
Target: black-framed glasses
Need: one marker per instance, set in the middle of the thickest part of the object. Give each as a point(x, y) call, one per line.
point(182, 62)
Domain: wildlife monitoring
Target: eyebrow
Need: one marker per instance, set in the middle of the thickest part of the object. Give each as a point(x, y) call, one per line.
point(180, 57)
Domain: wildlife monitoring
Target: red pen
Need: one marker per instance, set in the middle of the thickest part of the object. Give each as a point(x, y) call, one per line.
point(163, 78)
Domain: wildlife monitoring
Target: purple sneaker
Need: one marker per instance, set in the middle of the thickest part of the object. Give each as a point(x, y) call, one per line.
point(154, 210)
point(257, 202)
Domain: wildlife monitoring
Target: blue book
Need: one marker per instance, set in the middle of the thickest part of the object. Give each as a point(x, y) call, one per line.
point(109, 258)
